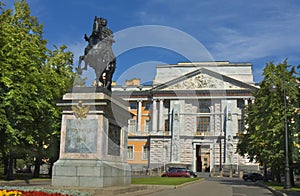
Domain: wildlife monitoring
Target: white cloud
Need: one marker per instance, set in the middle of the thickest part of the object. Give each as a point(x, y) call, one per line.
point(161, 37)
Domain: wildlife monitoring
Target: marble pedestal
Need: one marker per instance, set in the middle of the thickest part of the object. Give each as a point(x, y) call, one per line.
point(93, 140)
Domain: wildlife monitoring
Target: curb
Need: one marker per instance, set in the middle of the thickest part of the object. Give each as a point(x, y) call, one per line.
point(157, 188)
point(275, 192)
point(188, 183)
point(25, 182)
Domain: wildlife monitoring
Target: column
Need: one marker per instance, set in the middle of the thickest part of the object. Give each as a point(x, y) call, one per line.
point(194, 157)
point(154, 116)
point(175, 143)
point(139, 117)
point(212, 157)
point(161, 116)
point(245, 102)
point(229, 133)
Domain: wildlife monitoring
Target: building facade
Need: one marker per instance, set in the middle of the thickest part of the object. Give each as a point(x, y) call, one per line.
point(191, 116)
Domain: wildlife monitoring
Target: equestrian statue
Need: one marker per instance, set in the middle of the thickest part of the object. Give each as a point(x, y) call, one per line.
point(98, 53)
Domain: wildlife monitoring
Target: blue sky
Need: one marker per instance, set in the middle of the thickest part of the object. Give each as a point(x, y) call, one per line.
point(155, 32)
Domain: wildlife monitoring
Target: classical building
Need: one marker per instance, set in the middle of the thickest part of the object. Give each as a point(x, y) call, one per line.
point(191, 115)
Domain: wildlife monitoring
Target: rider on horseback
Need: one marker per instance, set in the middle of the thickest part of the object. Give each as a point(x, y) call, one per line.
point(100, 40)
point(99, 33)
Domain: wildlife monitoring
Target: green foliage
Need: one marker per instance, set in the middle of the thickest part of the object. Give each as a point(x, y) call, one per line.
point(32, 79)
point(264, 140)
point(280, 187)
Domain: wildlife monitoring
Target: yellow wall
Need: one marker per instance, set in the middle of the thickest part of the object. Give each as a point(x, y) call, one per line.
point(138, 152)
point(145, 116)
point(138, 145)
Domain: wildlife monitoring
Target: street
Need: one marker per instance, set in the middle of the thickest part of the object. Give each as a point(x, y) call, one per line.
point(217, 187)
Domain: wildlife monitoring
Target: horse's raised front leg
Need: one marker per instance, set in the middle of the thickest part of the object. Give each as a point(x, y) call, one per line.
point(79, 69)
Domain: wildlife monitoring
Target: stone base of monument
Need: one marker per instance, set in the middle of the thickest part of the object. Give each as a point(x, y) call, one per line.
point(93, 140)
point(91, 173)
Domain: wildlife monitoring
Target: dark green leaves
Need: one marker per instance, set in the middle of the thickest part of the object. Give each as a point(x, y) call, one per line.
point(32, 79)
point(264, 141)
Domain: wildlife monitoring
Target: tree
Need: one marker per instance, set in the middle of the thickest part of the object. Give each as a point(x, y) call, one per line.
point(264, 138)
point(32, 79)
point(57, 77)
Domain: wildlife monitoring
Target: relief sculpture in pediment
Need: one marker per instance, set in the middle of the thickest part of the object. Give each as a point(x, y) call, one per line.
point(198, 82)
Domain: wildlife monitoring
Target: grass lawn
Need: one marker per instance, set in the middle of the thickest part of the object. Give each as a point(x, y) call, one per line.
point(279, 186)
point(156, 180)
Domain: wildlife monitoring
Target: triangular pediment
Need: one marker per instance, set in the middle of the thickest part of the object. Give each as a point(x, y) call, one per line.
point(204, 79)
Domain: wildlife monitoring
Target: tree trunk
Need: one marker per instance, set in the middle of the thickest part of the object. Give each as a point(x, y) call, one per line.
point(265, 174)
point(10, 175)
point(277, 175)
point(50, 168)
point(292, 176)
point(37, 164)
point(5, 163)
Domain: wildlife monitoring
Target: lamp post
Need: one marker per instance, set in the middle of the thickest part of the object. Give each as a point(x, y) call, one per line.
point(287, 182)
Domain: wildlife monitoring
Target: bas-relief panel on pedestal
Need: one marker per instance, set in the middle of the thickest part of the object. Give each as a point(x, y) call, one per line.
point(81, 136)
point(114, 140)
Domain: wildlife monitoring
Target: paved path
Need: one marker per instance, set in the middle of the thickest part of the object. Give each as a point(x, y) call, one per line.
point(217, 187)
point(207, 187)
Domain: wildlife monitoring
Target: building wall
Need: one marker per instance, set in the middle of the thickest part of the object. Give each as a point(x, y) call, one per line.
point(144, 115)
point(213, 149)
point(138, 145)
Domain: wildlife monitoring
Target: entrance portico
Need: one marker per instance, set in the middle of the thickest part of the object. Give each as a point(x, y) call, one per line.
point(203, 155)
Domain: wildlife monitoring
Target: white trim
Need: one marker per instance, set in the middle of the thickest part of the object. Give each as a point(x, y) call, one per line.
point(135, 99)
point(132, 152)
point(206, 97)
point(143, 147)
point(139, 113)
point(147, 127)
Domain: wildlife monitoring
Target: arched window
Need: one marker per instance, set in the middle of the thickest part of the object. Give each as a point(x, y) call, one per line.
point(204, 109)
point(203, 121)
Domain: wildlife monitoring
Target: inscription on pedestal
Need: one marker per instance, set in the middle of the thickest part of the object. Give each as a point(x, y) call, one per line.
point(81, 136)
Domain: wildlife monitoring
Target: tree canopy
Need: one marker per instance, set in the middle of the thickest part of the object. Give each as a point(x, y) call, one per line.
point(32, 79)
point(264, 140)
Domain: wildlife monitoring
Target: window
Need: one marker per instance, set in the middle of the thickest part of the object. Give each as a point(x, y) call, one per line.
point(240, 103)
point(240, 126)
point(204, 109)
point(147, 125)
point(167, 125)
point(145, 153)
point(132, 125)
point(130, 152)
point(203, 124)
point(205, 161)
point(147, 106)
point(166, 103)
point(133, 105)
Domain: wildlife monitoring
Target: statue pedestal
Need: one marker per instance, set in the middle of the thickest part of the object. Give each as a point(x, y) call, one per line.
point(93, 140)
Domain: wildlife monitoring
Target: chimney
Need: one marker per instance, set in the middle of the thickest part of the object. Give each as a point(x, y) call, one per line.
point(133, 82)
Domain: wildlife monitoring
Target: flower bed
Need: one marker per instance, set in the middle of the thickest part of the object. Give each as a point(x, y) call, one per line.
point(31, 191)
point(10, 193)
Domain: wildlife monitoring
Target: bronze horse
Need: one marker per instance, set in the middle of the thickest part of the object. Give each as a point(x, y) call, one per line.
point(98, 54)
